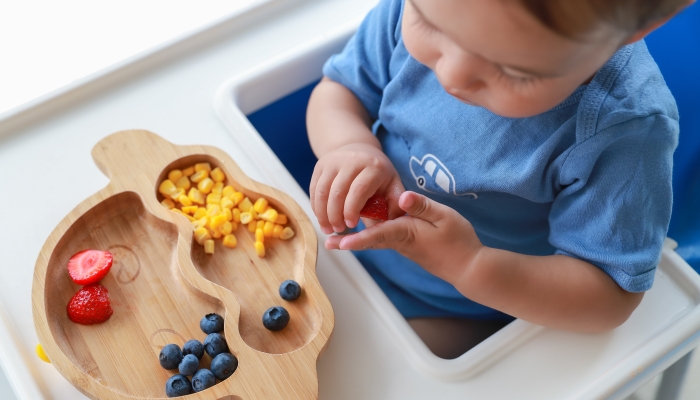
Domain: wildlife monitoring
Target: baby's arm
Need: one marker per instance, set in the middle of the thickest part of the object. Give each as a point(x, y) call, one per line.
point(351, 166)
point(556, 291)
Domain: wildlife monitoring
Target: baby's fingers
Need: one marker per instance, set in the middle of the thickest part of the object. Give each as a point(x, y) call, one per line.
point(392, 234)
point(336, 199)
point(363, 187)
point(320, 200)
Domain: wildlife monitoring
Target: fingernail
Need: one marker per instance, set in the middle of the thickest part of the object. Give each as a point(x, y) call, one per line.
point(349, 223)
point(326, 230)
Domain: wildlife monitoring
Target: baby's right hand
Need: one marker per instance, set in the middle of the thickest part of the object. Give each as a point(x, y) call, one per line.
point(345, 178)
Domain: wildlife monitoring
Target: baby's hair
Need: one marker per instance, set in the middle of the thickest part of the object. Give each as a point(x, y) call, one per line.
point(575, 18)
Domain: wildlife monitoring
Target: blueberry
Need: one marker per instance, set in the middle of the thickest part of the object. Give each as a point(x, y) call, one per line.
point(178, 385)
point(170, 356)
point(224, 365)
point(203, 379)
point(193, 347)
point(189, 365)
point(290, 290)
point(275, 318)
point(215, 344)
point(212, 323)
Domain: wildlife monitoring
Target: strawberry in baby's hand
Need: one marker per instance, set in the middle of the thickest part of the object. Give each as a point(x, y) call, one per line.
point(89, 266)
point(90, 305)
point(375, 208)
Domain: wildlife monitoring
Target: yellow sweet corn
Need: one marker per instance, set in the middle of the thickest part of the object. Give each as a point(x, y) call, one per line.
point(246, 218)
point(190, 209)
point(217, 221)
point(177, 194)
point(174, 175)
point(260, 249)
point(228, 214)
point(200, 212)
point(167, 203)
point(259, 235)
point(230, 241)
point(252, 226)
point(200, 223)
point(287, 233)
point(281, 219)
point(260, 205)
point(184, 200)
point(189, 217)
point(213, 210)
point(217, 175)
point(42, 355)
point(236, 215)
point(277, 231)
point(226, 228)
point(201, 234)
point(199, 176)
point(225, 203)
point(237, 198)
point(188, 171)
point(259, 224)
point(202, 167)
point(213, 198)
point(209, 246)
point(216, 234)
point(268, 228)
point(252, 212)
point(245, 205)
point(218, 188)
point(269, 215)
point(183, 183)
point(205, 185)
point(167, 187)
point(227, 191)
point(234, 226)
point(196, 196)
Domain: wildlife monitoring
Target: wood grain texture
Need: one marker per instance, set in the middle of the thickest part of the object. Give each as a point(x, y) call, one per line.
point(162, 283)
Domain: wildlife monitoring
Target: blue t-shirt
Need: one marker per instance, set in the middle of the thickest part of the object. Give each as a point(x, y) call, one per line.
point(590, 178)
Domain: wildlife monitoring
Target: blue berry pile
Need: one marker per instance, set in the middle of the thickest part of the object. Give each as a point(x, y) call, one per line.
point(188, 360)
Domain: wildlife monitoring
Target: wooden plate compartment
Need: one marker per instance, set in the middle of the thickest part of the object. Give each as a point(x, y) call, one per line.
point(162, 283)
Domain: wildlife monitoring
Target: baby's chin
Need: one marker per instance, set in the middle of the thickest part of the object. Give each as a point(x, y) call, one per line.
point(509, 110)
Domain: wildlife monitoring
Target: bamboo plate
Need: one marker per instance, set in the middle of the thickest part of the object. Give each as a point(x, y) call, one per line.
point(162, 283)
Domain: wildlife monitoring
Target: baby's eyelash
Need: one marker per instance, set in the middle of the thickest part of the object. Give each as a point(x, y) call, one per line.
point(516, 80)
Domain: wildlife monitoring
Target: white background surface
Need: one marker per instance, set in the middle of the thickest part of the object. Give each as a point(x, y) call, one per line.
point(45, 45)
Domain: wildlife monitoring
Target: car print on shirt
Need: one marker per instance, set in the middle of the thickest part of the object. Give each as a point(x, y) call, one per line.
point(432, 176)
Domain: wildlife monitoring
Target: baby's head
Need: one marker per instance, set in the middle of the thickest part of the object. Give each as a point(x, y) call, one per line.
point(520, 58)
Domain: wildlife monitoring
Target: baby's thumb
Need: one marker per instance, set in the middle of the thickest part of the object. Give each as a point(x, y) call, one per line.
point(392, 195)
point(419, 206)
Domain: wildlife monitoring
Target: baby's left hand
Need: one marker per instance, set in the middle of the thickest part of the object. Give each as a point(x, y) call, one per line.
point(433, 235)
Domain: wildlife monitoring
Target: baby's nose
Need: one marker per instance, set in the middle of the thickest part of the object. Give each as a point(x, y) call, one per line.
point(461, 71)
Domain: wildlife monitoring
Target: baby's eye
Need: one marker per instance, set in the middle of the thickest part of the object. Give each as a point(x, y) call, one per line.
point(515, 78)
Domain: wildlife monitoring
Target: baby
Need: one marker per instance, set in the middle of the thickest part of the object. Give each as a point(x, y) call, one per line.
point(525, 151)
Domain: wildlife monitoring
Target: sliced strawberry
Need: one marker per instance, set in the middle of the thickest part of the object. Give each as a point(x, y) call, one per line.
point(90, 305)
point(375, 208)
point(89, 266)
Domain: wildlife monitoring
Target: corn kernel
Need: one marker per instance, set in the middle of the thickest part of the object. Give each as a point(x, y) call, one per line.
point(252, 226)
point(230, 241)
point(227, 191)
point(184, 200)
point(268, 228)
point(270, 215)
point(167, 203)
point(217, 175)
point(287, 233)
point(205, 185)
point(183, 183)
point(228, 214)
point(226, 228)
point(234, 226)
point(281, 219)
point(200, 212)
point(277, 231)
point(189, 217)
point(167, 187)
point(237, 198)
point(245, 205)
point(259, 235)
point(177, 194)
point(260, 249)
point(260, 205)
point(174, 175)
point(188, 171)
point(202, 167)
point(246, 218)
point(213, 210)
point(199, 176)
point(226, 203)
point(189, 209)
point(200, 223)
point(259, 224)
point(201, 234)
point(213, 198)
point(209, 246)
point(236, 215)
point(217, 188)
point(216, 234)
point(217, 221)
point(196, 196)
point(252, 212)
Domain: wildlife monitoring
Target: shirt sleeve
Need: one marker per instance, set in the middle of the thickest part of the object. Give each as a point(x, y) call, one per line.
point(614, 206)
point(363, 66)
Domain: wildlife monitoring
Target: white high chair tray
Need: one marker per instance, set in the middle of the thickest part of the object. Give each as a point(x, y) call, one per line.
point(240, 64)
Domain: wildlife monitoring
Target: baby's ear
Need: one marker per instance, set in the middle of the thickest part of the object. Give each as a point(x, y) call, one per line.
point(651, 27)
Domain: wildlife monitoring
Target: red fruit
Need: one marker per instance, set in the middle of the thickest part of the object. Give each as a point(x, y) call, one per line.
point(375, 208)
point(89, 266)
point(90, 305)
